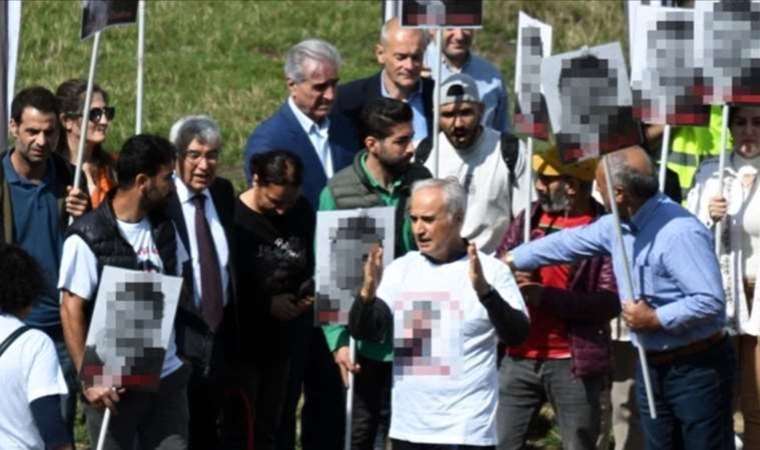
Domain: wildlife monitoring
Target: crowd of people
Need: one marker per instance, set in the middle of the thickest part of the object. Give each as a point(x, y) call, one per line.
point(552, 320)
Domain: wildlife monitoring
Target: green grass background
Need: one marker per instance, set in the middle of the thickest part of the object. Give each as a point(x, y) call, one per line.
point(224, 58)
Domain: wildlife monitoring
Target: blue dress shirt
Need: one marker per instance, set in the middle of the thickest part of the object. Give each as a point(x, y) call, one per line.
point(672, 265)
point(419, 122)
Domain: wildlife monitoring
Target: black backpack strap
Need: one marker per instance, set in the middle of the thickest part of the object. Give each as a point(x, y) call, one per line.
point(510, 150)
point(423, 150)
point(12, 337)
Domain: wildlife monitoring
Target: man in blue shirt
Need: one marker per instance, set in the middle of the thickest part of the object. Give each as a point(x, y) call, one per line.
point(36, 201)
point(676, 310)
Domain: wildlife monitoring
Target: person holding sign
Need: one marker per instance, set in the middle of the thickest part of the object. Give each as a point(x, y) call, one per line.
point(97, 163)
point(677, 313)
point(400, 52)
point(448, 304)
point(129, 230)
point(738, 203)
point(382, 175)
point(566, 357)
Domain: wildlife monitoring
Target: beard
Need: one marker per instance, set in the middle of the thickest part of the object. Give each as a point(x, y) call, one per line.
point(554, 202)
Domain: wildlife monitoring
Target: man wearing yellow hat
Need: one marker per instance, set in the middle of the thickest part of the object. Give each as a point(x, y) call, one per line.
point(566, 357)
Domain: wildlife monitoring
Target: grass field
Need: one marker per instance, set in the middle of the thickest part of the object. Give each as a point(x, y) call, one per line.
point(224, 58)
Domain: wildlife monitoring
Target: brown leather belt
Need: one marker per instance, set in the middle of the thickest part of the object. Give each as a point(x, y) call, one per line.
point(668, 356)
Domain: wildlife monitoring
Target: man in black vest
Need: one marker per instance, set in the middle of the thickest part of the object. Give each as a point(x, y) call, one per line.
point(129, 230)
point(382, 175)
point(202, 210)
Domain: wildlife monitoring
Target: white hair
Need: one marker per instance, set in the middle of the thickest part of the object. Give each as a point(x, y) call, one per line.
point(200, 127)
point(313, 50)
point(454, 195)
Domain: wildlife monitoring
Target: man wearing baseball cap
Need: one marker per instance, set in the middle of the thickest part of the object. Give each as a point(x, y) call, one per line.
point(490, 165)
point(567, 354)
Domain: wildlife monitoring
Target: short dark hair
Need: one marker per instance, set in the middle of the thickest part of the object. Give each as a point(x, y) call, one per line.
point(382, 114)
point(277, 167)
point(37, 97)
point(20, 277)
point(144, 153)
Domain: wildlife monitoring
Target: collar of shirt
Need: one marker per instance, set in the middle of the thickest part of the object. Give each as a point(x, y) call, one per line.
point(308, 125)
point(376, 184)
point(14, 177)
point(184, 194)
point(412, 97)
point(453, 69)
point(639, 220)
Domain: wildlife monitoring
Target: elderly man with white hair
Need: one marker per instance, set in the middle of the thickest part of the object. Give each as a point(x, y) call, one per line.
point(202, 208)
point(448, 305)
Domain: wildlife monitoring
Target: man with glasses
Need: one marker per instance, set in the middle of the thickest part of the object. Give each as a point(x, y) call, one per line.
point(202, 210)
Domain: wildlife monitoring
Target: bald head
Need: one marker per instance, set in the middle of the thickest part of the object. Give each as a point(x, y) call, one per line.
point(633, 177)
point(400, 51)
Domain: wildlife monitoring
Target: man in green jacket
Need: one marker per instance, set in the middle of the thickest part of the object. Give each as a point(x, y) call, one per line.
point(381, 175)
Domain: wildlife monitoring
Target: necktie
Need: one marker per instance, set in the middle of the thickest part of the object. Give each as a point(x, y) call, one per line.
point(211, 278)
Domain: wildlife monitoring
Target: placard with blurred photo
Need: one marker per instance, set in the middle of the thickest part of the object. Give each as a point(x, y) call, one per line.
point(727, 46)
point(664, 78)
point(589, 100)
point(344, 239)
point(130, 329)
point(442, 13)
point(99, 14)
point(534, 42)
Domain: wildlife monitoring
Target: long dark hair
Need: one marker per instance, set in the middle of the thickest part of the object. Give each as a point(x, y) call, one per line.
point(71, 95)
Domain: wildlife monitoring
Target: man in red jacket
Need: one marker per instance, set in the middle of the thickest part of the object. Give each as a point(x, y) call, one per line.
point(566, 357)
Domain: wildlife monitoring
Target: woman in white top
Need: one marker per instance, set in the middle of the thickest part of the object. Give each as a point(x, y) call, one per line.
point(31, 380)
point(737, 204)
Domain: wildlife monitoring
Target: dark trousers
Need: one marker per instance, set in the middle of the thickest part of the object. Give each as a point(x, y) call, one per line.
point(68, 401)
point(312, 367)
point(404, 445)
point(151, 420)
point(524, 385)
point(693, 399)
point(372, 404)
point(204, 397)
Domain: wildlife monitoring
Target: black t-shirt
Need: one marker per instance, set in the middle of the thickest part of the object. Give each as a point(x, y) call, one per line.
point(274, 255)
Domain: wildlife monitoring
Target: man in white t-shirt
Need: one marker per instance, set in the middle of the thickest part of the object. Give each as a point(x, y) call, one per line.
point(129, 230)
point(32, 380)
point(447, 303)
point(490, 165)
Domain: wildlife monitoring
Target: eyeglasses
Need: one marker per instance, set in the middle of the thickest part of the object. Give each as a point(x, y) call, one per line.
point(195, 156)
point(97, 113)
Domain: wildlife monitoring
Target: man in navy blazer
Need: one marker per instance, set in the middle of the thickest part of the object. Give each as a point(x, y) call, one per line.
point(325, 143)
point(401, 53)
point(303, 125)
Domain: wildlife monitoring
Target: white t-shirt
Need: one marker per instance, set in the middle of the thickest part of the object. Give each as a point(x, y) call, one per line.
point(493, 197)
point(79, 270)
point(29, 370)
point(445, 382)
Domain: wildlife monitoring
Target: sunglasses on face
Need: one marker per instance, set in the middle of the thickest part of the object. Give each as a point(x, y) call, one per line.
point(97, 113)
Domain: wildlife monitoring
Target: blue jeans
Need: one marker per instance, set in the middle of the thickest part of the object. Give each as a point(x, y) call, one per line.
point(693, 399)
point(525, 384)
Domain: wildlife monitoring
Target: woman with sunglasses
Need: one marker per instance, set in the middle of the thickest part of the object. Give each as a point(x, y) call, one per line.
point(97, 163)
point(737, 204)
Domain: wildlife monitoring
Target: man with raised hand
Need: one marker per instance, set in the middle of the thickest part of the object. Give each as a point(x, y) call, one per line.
point(454, 303)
